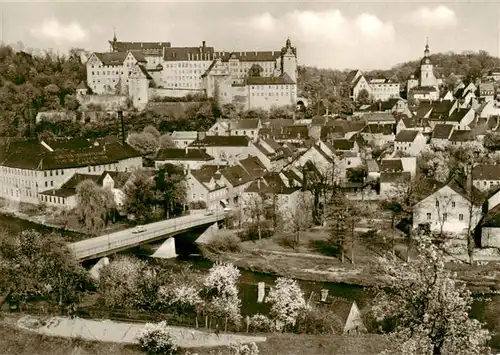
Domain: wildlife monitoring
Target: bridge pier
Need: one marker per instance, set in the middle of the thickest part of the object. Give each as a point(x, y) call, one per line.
point(166, 250)
point(95, 272)
point(209, 234)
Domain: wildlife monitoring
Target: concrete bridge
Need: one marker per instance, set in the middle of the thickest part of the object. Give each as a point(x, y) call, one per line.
point(107, 244)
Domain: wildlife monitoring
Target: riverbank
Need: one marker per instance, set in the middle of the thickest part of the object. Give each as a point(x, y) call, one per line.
point(308, 262)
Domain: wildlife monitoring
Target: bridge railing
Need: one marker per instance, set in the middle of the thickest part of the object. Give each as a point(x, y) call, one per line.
point(107, 245)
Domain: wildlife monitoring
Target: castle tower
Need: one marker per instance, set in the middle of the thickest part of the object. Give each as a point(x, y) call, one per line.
point(427, 77)
point(289, 60)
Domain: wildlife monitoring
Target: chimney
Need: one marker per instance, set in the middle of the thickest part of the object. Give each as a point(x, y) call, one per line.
point(122, 126)
point(204, 44)
point(380, 106)
point(163, 52)
point(258, 184)
point(186, 150)
point(201, 135)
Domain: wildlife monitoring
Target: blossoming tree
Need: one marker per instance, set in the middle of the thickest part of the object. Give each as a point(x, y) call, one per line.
point(287, 300)
point(221, 291)
point(428, 308)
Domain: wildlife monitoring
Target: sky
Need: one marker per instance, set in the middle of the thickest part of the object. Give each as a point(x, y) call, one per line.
point(340, 35)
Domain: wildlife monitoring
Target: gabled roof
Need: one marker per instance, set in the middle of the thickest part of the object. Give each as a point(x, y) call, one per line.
point(205, 173)
point(182, 154)
point(82, 86)
point(145, 72)
point(144, 46)
point(247, 123)
point(342, 144)
point(456, 184)
point(222, 141)
point(379, 117)
point(255, 56)
point(458, 114)
point(283, 79)
point(188, 53)
point(63, 153)
point(236, 175)
point(119, 177)
point(391, 165)
point(462, 136)
point(77, 178)
point(391, 177)
point(486, 172)
point(442, 131)
point(352, 74)
point(375, 128)
point(406, 136)
point(271, 183)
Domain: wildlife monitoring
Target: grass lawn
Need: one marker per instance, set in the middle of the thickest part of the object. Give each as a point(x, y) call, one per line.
point(19, 342)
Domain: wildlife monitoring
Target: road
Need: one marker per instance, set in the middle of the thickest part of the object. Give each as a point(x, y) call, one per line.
point(124, 238)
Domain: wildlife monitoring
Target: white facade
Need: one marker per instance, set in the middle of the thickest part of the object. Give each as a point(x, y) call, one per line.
point(447, 211)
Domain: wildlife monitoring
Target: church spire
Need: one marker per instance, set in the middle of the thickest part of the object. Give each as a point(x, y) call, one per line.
point(426, 52)
point(114, 34)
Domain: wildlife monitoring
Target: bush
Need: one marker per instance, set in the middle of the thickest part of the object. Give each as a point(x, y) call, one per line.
point(261, 323)
point(31, 209)
point(287, 241)
point(314, 320)
point(197, 205)
point(243, 349)
point(155, 339)
point(225, 243)
point(252, 233)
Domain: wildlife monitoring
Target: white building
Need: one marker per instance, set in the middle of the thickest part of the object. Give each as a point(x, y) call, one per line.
point(31, 168)
point(424, 86)
point(446, 209)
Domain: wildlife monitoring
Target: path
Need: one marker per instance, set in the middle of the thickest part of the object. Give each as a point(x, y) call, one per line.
point(121, 332)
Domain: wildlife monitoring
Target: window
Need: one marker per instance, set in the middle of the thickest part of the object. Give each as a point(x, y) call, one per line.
point(445, 216)
point(453, 204)
point(46, 184)
point(52, 183)
point(57, 172)
point(194, 196)
point(437, 203)
point(45, 173)
point(460, 217)
point(429, 216)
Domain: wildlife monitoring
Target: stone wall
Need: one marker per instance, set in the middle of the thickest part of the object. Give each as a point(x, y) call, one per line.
point(105, 102)
point(160, 93)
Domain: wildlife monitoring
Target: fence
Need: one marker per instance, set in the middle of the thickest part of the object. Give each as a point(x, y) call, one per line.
point(200, 322)
point(106, 244)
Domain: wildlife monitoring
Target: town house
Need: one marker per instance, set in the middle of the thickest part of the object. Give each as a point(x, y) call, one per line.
point(202, 186)
point(272, 155)
point(445, 208)
point(224, 149)
point(441, 134)
point(486, 177)
point(410, 142)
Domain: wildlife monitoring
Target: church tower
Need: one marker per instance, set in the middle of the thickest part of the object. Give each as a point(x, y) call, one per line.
point(112, 45)
point(427, 77)
point(289, 60)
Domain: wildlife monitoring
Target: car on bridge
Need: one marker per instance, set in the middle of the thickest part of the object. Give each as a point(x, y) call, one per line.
point(209, 213)
point(139, 229)
point(227, 209)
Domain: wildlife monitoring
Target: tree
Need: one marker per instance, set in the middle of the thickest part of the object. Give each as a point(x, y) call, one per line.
point(343, 216)
point(221, 292)
point(34, 265)
point(364, 97)
point(300, 218)
point(139, 196)
point(119, 282)
point(171, 190)
point(144, 142)
point(287, 301)
point(492, 140)
point(166, 141)
point(428, 308)
point(149, 129)
point(94, 207)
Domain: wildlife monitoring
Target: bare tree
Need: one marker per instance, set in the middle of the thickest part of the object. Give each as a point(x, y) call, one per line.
point(300, 217)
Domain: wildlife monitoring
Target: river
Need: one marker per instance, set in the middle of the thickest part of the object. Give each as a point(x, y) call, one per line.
point(484, 310)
